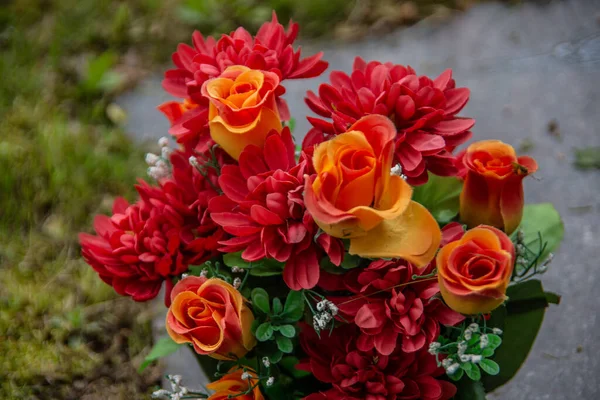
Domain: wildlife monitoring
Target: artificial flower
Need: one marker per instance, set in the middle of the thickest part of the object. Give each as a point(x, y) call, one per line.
point(354, 195)
point(270, 50)
point(357, 375)
point(493, 190)
point(391, 309)
point(232, 384)
point(242, 108)
point(474, 271)
point(424, 112)
point(263, 209)
point(157, 238)
point(213, 316)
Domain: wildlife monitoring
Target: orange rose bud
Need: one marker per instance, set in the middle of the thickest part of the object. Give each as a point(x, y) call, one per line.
point(354, 195)
point(243, 108)
point(493, 189)
point(233, 384)
point(212, 315)
point(474, 271)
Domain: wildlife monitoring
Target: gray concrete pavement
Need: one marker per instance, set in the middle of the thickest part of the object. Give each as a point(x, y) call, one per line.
point(525, 65)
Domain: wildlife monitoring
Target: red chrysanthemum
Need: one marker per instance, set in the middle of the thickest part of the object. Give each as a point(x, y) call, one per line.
point(271, 50)
point(263, 209)
point(357, 375)
point(406, 316)
point(423, 110)
point(159, 236)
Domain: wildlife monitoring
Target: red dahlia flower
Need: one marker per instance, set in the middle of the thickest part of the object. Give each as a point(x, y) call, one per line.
point(423, 110)
point(263, 209)
point(407, 316)
point(270, 50)
point(168, 228)
point(357, 375)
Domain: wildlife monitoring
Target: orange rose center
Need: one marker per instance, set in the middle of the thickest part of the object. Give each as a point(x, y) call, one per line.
point(479, 267)
point(241, 92)
point(241, 87)
point(500, 165)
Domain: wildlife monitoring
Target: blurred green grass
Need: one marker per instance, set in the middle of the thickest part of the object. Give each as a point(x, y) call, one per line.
point(63, 158)
point(63, 332)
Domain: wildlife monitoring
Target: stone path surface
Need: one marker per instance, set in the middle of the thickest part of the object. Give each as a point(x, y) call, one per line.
point(526, 66)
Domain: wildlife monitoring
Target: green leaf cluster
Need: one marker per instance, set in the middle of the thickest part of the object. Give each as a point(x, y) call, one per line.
point(477, 342)
point(520, 319)
point(275, 322)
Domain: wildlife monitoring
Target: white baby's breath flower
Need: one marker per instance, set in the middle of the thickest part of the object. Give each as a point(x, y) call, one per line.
point(163, 141)
point(452, 368)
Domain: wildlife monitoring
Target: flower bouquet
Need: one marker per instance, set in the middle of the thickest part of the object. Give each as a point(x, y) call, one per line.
point(372, 261)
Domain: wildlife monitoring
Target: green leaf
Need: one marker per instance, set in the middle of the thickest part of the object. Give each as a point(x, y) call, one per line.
point(542, 218)
point(260, 300)
point(474, 373)
point(264, 332)
point(235, 260)
point(350, 261)
point(276, 357)
point(469, 390)
point(457, 375)
point(289, 364)
point(277, 306)
point(520, 320)
point(490, 367)
point(487, 352)
point(284, 344)
point(264, 267)
point(292, 124)
point(440, 195)
point(287, 331)
point(294, 306)
point(163, 347)
point(526, 295)
point(494, 341)
point(552, 298)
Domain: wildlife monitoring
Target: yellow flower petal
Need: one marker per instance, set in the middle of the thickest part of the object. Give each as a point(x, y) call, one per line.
point(414, 236)
point(234, 139)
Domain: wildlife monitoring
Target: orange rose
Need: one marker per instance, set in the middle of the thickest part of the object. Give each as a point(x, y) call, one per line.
point(232, 384)
point(474, 271)
point(242, 108)
point(354, 195)
point(493, 189)
point(212, 315)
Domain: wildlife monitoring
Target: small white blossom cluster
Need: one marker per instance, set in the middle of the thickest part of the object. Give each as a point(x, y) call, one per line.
point(326, 311)
point(465, 358)
point(434, 348)
point(158, 166)
point(397, 170)
point(177, 391)
point(522, 259)
point(237, 282)
point(237, 270)
point(450, 366)
point(544, 267)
